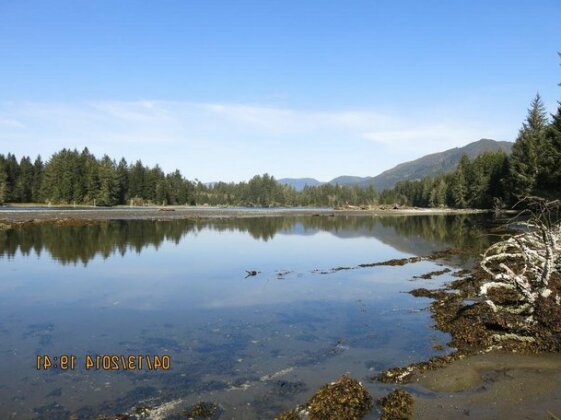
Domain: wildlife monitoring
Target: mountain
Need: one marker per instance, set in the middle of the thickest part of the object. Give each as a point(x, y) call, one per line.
point(350, 180)
point(299, 183)
point(426, 166)
point(436, 163)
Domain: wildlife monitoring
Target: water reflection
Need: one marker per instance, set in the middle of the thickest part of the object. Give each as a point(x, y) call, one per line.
point(412, 234)
point(256, 345)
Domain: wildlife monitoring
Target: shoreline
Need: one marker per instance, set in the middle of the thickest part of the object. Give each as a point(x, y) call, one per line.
point(23, 214)
point(469, 381)
point(480, 376)
point(491, 385)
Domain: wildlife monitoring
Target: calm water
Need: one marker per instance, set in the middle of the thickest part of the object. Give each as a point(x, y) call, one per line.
point(256, 345)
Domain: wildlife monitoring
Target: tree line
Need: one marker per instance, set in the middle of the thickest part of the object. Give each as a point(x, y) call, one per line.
point(491, 180)
point(73, 177)
point(495, 179)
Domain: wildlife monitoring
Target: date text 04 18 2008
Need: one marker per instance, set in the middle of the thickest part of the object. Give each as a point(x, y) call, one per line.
point(104, 362)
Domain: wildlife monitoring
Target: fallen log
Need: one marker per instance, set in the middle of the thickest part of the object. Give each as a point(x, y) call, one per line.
point(524, 286)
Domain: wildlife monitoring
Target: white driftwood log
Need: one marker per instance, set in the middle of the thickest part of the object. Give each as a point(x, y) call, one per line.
point(524, 264)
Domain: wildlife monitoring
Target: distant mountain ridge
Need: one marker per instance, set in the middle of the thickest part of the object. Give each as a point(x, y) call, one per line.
point(350, 180)
point(436, 163)
point(299, 183)
point(426, 166)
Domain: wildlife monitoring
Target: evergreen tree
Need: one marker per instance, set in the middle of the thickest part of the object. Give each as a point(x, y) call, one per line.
point(437, 197)
point(23, 192)
point(90, 176)
point(152, 192)
point(12, 175)
point(37, 180)
point(525, 159)
point(550, 181)
point(160, 193)
point(108, 183)
point(3, 180)
point(122, 181)
point(136, 180)
point(58, 182)
point(458, 187)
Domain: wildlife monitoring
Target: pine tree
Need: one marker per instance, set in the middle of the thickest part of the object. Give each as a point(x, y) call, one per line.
point(553, 163)
point(25, 180)
point(438, 194)
point(12, 175)
point(459, 187)
point(551, 181)
point(137, 175)
point(108, 183)
point(525, 158)
point(90, 182)
point(122, 181)
point(160, 193)
point(3, 180)
point(37, 180)
point(152, 192)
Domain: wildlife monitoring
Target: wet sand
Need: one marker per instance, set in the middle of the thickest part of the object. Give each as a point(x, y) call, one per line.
point(17, 214)
point(497, 385)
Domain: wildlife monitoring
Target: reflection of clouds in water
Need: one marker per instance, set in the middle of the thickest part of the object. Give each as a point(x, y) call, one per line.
point(192, 276)
point(377, 283)
point(204, 265)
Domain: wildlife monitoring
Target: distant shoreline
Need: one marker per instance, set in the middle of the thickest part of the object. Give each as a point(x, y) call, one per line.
point(32, 213)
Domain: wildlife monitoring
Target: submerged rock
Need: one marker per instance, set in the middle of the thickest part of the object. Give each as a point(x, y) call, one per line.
point(202, 410)
point(432, 274)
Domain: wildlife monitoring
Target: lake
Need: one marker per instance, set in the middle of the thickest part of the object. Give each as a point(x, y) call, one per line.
point(256, 345)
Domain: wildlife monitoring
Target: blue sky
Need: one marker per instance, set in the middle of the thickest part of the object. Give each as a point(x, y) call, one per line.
point(224, 90)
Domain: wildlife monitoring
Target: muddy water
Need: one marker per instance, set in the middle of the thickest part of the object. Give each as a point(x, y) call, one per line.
point(256, 345)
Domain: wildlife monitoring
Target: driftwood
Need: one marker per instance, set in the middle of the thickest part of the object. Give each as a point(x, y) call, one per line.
point(525, 271)
point(251, 273)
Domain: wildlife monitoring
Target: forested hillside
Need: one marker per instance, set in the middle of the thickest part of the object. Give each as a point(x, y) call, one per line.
point(435, 164)
point(495, 180)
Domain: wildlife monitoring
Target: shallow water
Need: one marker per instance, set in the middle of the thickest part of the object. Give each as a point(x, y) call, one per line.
point(492, 385)
point(256, 345)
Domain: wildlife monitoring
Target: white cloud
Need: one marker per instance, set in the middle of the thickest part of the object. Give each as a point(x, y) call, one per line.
point(10, 123)
point(437, 136)
point(233, 141)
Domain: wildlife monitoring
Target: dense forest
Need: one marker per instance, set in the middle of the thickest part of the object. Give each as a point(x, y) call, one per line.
point(495, 180)
point(73, 177)
point(491, 180)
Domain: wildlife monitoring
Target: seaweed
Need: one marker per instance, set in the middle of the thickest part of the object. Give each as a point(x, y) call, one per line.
point(397, 405)
point(346, 398)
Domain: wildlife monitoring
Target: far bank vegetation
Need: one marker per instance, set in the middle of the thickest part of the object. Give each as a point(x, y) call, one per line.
point(493, 180)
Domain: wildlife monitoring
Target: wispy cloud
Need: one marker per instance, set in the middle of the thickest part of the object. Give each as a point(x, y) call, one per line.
point(234, 141)
point(426, 137)
point(10, 123)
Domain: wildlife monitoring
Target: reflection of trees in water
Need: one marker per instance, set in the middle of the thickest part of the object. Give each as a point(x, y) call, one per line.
point(459, 231)
point(416, 234)
point(73, 244)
